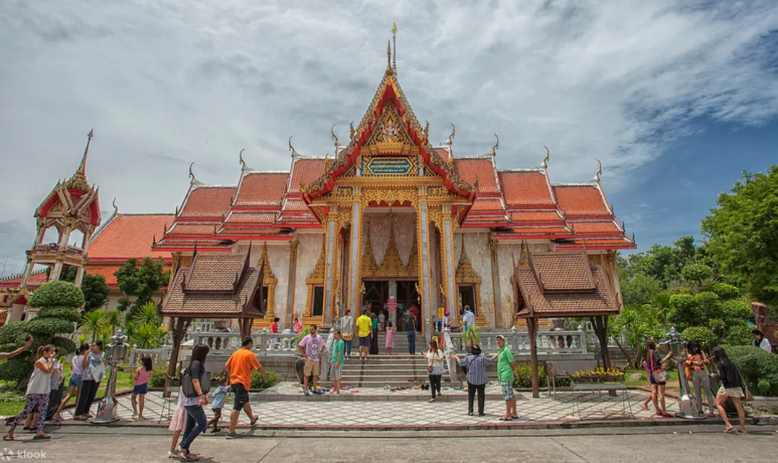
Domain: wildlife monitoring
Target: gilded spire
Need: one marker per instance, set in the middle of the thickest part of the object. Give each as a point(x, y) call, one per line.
point(78, 180)
point(450, 144)
point(389, 57)
point(394, 53)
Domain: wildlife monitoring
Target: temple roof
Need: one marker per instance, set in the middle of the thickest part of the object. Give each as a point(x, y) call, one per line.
point(202, 289)
point(563, 285)
point(129, 236)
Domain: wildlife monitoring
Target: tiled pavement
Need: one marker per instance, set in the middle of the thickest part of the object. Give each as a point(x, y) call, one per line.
point(334, 414)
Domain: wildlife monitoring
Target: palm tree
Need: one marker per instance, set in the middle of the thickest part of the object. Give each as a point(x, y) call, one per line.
point(94, 323)
point(114, 320)
point(147, 314)
point(661, 303)
point(148, 336)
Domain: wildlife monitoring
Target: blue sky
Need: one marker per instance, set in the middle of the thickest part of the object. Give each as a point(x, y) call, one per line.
point(675, 98)
point(673, 193)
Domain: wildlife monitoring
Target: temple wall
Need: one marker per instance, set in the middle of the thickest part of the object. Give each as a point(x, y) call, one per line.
point(308, 252)
point(279, 263)
point(477, 248)
point(379, 226)
point(507, 254)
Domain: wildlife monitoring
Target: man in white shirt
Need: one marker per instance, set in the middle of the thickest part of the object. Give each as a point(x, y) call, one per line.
point(467, 318)
point(761, 342)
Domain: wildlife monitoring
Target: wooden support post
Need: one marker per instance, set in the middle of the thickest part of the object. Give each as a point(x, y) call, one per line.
point(532, 328)
point(600, 324)
point(178, 328)
point(245, 327)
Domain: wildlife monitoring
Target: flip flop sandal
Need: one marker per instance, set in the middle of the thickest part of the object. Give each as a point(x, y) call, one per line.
point(514, 417)
point(731, 430)
point(233, 436)
point(254, 421)
point(7, 438)
point(503, 418)
point(43, 437)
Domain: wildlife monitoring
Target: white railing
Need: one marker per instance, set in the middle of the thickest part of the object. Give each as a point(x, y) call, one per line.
point(548, 341)
point(264, 343)
point(159, 356)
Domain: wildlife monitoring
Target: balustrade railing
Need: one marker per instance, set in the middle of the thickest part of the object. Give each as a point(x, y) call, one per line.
point(548, 341)
point(159, 356)
point(264, 343)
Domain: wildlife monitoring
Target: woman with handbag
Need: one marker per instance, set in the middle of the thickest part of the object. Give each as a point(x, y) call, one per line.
point(732, 387)
point(435, 359)
point(657, 377)
point(194, 399)
point(696, 372)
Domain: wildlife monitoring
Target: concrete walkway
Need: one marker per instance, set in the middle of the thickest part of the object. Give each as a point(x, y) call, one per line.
point(696, 444)
point(376, 412)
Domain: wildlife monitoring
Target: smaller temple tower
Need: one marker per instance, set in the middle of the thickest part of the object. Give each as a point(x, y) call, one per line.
point(65, 222)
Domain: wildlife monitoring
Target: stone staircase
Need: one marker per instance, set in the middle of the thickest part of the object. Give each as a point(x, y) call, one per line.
point(383, 369)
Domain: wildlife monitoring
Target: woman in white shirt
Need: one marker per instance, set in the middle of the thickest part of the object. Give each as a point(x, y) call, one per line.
point(435, 359)
point(38, 389)
point(761, 342)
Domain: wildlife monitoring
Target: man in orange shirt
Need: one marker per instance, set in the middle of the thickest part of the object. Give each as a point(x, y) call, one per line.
point(240, 366)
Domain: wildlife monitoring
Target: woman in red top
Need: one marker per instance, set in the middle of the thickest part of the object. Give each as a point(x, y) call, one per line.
point(697, 361)
point(274, 325)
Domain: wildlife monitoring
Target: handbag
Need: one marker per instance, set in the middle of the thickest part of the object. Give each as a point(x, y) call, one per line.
point(747, 396)
point(660, 376)
point(188, 388)
point(347, 337)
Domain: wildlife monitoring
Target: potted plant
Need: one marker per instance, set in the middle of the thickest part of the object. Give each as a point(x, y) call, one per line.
point(471, 336)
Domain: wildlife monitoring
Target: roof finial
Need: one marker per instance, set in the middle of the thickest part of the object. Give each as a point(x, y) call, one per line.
point(545, 159)
point(291, 148)
point(394, 42)
point(496, 145)
point(116, 208)
point(82, 167)
point(389, 57)
point(191, 173)
point(450, 143)
point(599, 171)
point(427, 131)
point(335, 138)
point(242, 162)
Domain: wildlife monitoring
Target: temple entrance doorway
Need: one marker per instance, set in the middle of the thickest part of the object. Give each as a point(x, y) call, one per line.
point(378, 292)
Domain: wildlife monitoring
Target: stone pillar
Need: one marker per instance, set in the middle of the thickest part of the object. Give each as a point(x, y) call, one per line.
point(495, 283)
point(393, 294)
point(332, 219)
point(448, 261)
point(287, 322)
point(32, 313)
point(79, 276)
point(15, 314)
point(424, 256)
point(56, 272)
point(355, 248)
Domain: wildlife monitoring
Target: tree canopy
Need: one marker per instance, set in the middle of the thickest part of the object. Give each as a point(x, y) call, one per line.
point(742, 233)
point(140, 281)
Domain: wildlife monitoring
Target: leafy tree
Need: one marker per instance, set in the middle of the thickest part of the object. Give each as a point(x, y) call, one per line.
point(145, 330)
point(95, 292)
point(708, 340)
point(640, 323)
point(742, 233)
point(140, 282)
point(696, 273)
point(640, 289)
point(113, 321)
point(58, 302)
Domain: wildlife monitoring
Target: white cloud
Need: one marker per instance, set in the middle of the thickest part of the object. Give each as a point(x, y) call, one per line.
point(166, 83)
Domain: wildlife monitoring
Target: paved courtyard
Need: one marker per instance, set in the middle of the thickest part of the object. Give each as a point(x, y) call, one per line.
point(384, 409)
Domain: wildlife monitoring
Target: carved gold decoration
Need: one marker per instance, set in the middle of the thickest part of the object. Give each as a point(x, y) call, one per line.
point(390, 136)
point(369, 264)
point(523, 257)
point(389, 196)
point(316, 278)
point(392, 265)
point(466, 275)
point(270, 281)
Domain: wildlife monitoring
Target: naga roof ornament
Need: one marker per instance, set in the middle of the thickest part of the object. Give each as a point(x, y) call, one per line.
point(545, 159)
point(599, 171)
point(291, 148)
point(496, 145)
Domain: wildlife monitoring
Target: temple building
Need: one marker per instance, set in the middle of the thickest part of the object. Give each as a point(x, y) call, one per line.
point(389, 221)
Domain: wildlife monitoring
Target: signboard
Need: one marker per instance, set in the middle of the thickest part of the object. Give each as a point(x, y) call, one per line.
point(389, 166)
point(441, 312)
point(391, 304)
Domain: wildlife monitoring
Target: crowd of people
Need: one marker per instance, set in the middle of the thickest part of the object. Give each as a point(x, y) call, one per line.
point(189, 420)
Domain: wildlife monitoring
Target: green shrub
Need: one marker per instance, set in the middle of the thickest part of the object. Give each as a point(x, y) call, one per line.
point(724, 290)
point(48, 326)
point(739, 335)
point(524, 371)
point(704, 335)
point(157, 377)
point(258, 383)
point(759, 368)
point(65, 313)
point(57, 293)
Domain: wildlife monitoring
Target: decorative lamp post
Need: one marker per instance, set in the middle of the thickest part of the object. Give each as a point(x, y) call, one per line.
point(688, 407)
point(115, 355)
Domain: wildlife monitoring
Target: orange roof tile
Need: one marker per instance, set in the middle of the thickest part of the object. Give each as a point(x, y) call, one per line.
point(534, 231)
point(246, 218)
point(215, 272)
point(262, 188)
point(524, 188)
point(471, 169)
point(208, 201)
point(129, 236)
point(580, 200)
point(487, 204)
point(576, 304)
point(305, 170)
point(595, 227)
point(186, 229)
point(296, 205)
point(623, 243)
point(442, 152)
point(535, 216)
point(36, 278)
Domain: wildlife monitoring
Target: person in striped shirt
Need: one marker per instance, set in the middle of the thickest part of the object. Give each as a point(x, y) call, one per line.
point(476, 376)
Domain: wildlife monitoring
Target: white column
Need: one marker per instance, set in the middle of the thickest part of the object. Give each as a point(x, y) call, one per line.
point(356, 234)
point(56, 272)
point(424, 229)
point(15, 314)
point(448, 240)
point(331, 222)
point(393, 295)
point(79, 276)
